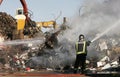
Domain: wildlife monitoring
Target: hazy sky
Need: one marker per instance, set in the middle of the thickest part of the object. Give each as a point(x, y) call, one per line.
point(44, 10)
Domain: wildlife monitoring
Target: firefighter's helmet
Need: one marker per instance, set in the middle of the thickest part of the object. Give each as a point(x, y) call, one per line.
point(81, 36)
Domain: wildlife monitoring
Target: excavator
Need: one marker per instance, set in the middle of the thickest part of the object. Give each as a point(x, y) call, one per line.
point(23, 21)
point(23, 2)
point(22, 18)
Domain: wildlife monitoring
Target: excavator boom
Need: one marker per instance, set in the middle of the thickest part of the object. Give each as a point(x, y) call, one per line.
point(24, 5)
point(25, 8)
point(1, 1)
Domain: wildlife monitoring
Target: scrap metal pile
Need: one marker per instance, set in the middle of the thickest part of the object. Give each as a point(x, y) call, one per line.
point(17, 57)
point(8, 31)
point(105, 56)
point(7, 25)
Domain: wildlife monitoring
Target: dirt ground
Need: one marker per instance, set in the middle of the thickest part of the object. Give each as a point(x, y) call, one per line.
point(40, 74)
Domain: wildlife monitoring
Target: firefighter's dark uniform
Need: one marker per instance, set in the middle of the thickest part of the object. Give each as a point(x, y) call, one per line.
point(81, 53)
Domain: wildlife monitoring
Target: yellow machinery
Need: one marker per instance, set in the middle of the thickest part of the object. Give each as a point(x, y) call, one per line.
point(21, 21)
point(47, 24)
point(21, 18)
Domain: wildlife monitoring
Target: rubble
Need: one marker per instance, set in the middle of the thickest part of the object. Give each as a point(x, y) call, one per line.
point(15, 57)
point(51, 55)
point(7, 25)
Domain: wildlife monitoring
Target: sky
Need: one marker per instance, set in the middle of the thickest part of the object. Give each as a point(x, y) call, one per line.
point(44, 10)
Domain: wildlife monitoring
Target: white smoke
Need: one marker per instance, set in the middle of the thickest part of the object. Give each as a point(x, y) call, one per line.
point(92, 19)
point(95, 16)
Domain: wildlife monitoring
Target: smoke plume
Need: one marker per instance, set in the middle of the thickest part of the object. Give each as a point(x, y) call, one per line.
point(94, 17)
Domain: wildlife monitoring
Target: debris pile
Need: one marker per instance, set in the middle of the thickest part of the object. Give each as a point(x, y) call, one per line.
point(7, 25)
point(11, 54)
point(107, 50)
point(18, 57)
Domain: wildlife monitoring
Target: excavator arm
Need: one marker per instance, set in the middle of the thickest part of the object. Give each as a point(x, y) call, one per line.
point(24, 5)
point(1, 1)
point(23, 2)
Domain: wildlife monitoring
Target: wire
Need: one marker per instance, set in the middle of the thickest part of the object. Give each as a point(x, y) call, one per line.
point(30, 13)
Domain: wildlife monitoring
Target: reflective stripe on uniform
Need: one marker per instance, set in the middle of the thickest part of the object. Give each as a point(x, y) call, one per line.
point(83, 51)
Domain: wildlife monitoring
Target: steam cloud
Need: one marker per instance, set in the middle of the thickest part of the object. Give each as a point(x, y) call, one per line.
point(95, 17)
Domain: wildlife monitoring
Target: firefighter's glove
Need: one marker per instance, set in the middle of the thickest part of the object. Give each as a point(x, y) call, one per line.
point(89, 42)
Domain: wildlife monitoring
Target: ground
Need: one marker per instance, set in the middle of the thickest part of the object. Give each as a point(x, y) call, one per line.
point(40, 74)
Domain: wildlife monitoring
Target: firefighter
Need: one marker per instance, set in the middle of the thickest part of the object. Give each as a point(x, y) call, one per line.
point(81, 53)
